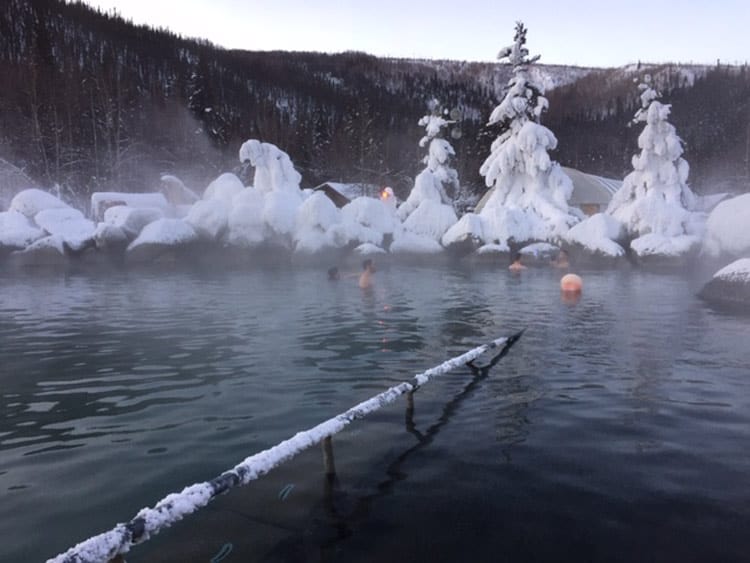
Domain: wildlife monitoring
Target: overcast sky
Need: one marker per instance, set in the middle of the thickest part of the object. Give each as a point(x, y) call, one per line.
point(580, 32)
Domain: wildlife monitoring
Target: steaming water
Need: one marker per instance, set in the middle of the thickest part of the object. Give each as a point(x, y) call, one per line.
point(615, 430)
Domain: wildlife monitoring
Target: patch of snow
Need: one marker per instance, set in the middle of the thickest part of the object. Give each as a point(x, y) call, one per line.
point(469, 226)
point(102, 201)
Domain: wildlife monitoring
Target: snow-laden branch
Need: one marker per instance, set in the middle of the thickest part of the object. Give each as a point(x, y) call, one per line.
point(174, 507)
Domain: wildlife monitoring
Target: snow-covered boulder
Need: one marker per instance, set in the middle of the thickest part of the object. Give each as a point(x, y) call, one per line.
point(209, 218)
point(598, 236)
point(224, 188)
point(47, 251)
point(539, 253)
point(491, 253)
point(245, 221)
point(365, 219)
point(176, 192)
point(431, 219)
point(408, 242)
point(464, 236)
point(315, 217)
point(76, 231)
point(32, 201)
point(111, 238)
point(280, 214)
point(369, 249)
point(17, 231)
point(101, 202)
point(131, 220)
point(727, 228)
point(159, 238)
point(730, 286)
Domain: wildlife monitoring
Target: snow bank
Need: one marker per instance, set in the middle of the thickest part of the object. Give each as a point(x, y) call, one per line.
point(469, 227)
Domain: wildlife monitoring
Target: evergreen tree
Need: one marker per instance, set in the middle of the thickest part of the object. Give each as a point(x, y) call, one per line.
point(655, 198)
point(530, 191)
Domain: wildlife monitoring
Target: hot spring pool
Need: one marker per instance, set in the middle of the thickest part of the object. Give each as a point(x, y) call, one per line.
point(615, 430)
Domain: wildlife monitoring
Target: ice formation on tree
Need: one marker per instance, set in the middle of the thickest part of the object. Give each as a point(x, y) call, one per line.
point(530, 193)
point(655, 203)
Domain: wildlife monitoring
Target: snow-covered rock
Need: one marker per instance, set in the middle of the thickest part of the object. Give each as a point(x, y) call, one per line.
point(76, 231)
point(131, 220)
point(47, 251)
point(17, 231)
point(32, 201)
point(597, 235)
point(224, 188)
point(101, 202)
point(209, 217)
point(431, 219)
point(727, 228)
point(159, 237)
point(409, 242)
point(245, 221)
point(730, 286)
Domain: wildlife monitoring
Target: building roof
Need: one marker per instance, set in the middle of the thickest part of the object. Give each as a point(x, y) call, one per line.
point(587, 189)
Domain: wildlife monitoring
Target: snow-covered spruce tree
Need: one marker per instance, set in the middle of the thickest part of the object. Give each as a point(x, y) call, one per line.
point(530, 192)
point(654, 202)
point(438, 179)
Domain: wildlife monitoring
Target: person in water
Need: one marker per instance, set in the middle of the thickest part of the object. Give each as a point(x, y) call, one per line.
point(333, 274)
point(365, 278)
point(562, 260)
point(516, 266)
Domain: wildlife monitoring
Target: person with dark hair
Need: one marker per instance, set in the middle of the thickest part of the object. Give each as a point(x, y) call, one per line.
point(516, 266)
point(333, 274)
point(365, 278)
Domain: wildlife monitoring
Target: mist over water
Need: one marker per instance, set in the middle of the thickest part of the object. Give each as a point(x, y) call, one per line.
point(614, 430)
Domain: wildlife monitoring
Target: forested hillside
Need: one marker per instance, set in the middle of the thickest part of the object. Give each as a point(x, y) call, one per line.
point(91, 102)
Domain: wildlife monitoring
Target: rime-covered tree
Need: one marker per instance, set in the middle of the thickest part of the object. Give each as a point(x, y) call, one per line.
point(530, 193)
point(655, 203)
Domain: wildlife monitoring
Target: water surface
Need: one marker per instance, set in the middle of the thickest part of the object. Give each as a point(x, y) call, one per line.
point(615, 430)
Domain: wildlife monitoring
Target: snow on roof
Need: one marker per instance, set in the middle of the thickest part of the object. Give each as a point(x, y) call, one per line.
point(587, 189)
